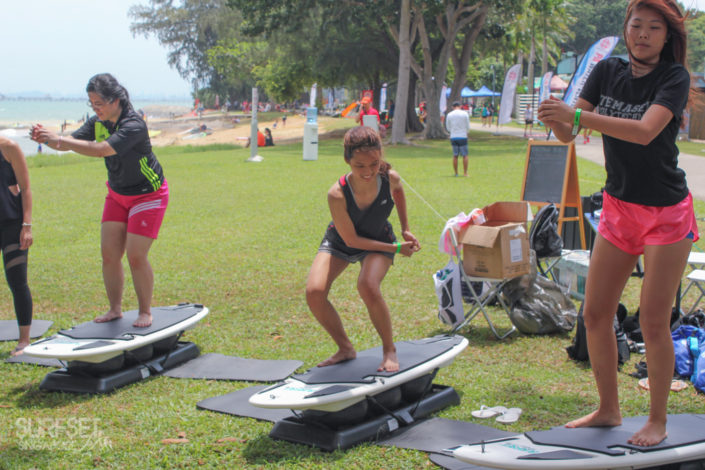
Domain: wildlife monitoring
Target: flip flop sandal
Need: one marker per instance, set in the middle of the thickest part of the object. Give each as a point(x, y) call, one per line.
point(509, 416)
point(676, 384)
point(489, 412)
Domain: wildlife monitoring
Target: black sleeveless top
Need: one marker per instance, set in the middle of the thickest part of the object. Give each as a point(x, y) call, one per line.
point(369, 223)
point(10, 205)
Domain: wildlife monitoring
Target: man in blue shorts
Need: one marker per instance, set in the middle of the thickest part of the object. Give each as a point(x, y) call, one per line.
point(458, 124)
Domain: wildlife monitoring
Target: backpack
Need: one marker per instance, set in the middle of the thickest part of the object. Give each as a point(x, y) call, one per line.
point(543, 236)
point(578, 350)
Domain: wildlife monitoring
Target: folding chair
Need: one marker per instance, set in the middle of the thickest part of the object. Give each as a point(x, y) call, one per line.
point(697, 279)
point(481, 300)
point(696, 260)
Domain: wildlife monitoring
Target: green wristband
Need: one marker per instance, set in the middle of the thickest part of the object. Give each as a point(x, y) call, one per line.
point(398, 247)
point(576, 121)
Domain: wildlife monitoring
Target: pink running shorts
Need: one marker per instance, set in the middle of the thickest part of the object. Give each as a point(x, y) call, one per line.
point(143, 213)
point(630, 227)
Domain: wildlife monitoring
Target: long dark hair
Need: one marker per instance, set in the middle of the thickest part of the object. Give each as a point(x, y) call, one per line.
point(108, 88)
point(365, 139)
point(676, 47)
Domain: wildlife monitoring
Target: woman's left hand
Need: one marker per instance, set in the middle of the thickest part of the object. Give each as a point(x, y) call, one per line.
point(409, 237)
point(26, 238)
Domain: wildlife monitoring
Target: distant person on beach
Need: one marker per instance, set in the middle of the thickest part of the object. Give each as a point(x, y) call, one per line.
point(360, 204)
point(284, 120)
point(16, 233)
point(268, 139)
point(137, 190)
point(366, 110)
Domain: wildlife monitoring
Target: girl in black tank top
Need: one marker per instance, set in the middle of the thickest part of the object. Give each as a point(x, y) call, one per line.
point(360, 204)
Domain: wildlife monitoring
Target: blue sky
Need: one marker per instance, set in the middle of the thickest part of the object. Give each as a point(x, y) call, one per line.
point(55, 46)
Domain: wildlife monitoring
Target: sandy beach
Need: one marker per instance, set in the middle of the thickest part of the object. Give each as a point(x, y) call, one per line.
point(224, 128)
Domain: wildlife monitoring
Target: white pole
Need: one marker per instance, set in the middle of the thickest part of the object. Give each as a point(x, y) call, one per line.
point(253, 127)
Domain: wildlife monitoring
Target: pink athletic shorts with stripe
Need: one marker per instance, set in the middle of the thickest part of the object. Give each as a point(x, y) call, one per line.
point(630, 227)
point(143, 213)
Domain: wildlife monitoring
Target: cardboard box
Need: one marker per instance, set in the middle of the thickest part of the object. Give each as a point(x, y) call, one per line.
point(571, 271)
point(499, 248)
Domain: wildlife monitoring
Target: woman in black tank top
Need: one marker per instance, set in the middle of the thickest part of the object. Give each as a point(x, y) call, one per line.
point(16, 233)
point(360, 204)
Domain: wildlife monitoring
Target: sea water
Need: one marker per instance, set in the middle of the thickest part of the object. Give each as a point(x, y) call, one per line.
point(17, 116)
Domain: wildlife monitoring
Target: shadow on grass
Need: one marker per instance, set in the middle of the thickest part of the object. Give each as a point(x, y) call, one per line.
point(265, 450)
point(32, 397)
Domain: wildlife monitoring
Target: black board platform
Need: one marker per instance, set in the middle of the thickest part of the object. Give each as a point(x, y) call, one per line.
point(363, 369)
point(63, 381)
point(122, 328)
point(297, 430)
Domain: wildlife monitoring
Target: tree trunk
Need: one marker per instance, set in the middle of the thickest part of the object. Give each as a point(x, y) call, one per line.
point(460, 63)
point(532, 58)
point(434, 126)
point(402, 97)
point(413, 124)
point(544, 56)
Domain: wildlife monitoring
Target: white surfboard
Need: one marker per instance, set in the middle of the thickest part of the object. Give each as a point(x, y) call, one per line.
point(339, 386)
point(98, 342)
point(590, 448)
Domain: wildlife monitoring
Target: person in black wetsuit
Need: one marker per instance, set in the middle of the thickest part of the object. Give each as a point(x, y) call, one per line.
point(16, 233)
point(360, 203)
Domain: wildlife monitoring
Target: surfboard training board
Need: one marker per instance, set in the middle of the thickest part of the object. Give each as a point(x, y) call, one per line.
point(341, 385)
point(590, 448)
point(98, 342)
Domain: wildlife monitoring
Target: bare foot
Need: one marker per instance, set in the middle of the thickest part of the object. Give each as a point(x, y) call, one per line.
point(340, 356)
point(390, 363)
point(650, 435)
point(596, 419)
point(143, 320)
point(109, 316)
point(19, 349)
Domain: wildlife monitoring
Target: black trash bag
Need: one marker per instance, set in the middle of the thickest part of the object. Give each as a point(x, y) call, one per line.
point(538, 305)
point(543, 236)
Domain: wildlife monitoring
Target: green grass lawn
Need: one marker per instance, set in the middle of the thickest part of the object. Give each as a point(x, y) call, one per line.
point(239, 237)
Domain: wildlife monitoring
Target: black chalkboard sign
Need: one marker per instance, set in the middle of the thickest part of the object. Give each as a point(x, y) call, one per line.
point(551, 175)
point(545, 172)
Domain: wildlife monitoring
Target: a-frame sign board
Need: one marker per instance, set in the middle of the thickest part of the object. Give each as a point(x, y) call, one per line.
point(551, 175)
